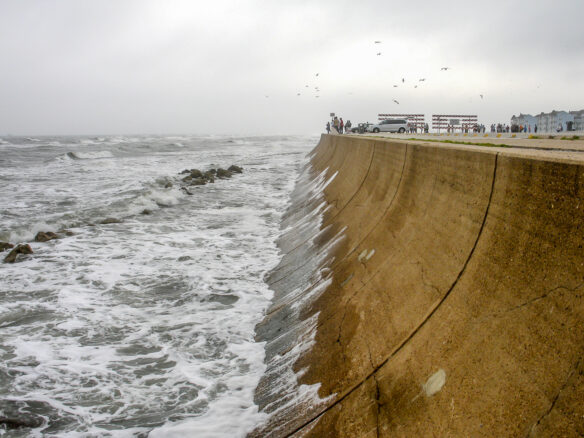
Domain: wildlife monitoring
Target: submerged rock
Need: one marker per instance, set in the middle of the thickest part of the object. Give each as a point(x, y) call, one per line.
point(223, 173)
point(20, 249)
point(5, 245)
point(209, 176)
point(198, 182)
point(146, 211)
point(196, 173)
point(45, 236)
point(110, 220)
point(235, 169)
point(10, 423)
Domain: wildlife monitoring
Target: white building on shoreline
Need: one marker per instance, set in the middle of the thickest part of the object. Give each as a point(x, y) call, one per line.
point(555, 121)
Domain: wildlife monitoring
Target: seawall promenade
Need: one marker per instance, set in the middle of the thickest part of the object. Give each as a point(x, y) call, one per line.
point(429, 289)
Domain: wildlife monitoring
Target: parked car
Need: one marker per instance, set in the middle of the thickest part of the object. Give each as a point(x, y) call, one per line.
point(389, 125)
point(361, 127)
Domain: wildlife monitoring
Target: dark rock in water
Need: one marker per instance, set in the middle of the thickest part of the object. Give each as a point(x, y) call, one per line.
point(20, 249)
point(213, 171)
point(209, 176)
point(184, 189)
point(196, 173)
point(146, 211)
point(235, 169)
point(185, 172)
point(30, 414)
point(45, 236)
point(110, 220)
point(5, 245)
point(66, 232)
point(187, 178)
point(198, 182)
point(223, 173)
point(168, 185)
point(20, 423)
point(224, 299)
point(184, 258)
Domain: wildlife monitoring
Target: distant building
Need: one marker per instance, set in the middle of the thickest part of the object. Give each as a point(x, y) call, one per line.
point(578, 120)
point(524, 120)
point(557, 121)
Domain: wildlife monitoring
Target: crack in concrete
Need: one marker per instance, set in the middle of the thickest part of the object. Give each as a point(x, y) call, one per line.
point(533, 300)
point(422, 323)
point(552, 406)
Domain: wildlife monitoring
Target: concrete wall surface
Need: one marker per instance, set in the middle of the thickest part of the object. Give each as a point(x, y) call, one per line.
point(427, 290)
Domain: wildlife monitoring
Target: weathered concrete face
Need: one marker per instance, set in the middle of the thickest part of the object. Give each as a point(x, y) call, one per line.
point(442, 293)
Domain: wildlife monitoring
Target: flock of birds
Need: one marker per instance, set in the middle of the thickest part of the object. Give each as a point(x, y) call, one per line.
point(317, 89)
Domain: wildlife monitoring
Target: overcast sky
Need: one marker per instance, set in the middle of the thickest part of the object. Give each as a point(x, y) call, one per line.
point(196, 67)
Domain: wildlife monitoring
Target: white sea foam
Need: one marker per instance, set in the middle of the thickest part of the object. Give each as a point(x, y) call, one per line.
point(145, 325)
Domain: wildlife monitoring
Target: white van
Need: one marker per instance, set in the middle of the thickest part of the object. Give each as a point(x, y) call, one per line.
point(389, 125)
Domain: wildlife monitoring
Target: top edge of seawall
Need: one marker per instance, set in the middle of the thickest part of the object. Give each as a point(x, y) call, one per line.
point(554, 150)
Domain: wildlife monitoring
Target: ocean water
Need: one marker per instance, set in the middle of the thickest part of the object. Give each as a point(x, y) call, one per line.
point(144, 327)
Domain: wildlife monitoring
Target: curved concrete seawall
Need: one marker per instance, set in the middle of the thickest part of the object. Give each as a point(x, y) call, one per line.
point(428, 290)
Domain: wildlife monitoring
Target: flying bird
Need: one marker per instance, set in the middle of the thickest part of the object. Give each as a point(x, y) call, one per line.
point(317, 96)
point(395, 86)
point(378, 53)
point(481, 95)
point(317, 74)
point(421, 80)
point(444, 68)
point(306, 86)
point(415, 86)
point(396, 101)
point(297, 94)
point(403, 80)
point(377, 42)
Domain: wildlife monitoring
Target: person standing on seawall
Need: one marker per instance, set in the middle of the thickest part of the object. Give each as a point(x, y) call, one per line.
point(336, 124)
point(341, 126)
point(348, 127)
point(328, 127)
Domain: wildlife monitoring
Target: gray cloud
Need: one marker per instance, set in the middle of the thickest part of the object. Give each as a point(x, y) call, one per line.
point(158, 67)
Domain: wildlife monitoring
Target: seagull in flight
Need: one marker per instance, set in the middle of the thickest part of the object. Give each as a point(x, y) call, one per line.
point(396, 101)
point(444, 68)
point(377, 42)
point(297, 94)
point(403, 80)
point(421, 80)
point(378, 53)
point(481, 95)
point(415, 86)
point(317, 74)
point(395, 86)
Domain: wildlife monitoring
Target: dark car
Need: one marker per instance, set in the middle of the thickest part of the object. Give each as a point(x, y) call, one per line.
point(361, 127)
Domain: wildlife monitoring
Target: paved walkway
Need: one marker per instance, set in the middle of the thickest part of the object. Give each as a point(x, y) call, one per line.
point(550, 146)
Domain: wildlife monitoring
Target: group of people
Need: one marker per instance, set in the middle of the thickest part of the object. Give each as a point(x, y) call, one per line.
point(500, 127)
point(466, 128)
point(523, 128)
point(338, 125)
point(413, 128)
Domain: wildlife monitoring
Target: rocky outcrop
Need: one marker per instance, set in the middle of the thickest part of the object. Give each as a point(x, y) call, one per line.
point(5, 245)
point(45, 236)
point(110, 220)
point(196, 177)
point(20, 249)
